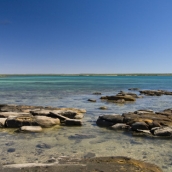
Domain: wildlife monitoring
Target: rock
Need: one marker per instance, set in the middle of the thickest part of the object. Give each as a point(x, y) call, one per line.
point(10, 150)
point(134, 89)
point(30, 129)
point(97, 93)
point(89, 155)
point(162, 131)
point(114, 118)
point(142, 133)
point(2, 122)
point(118, 97)
point(70, 114)
point(139, 126)
point(43, 146)
point(16, 122)
point(91, 100)
point(73, 122)
point(87, 164)
point(120, 126)
point(42, 112)
point(103, 123)
point(104, 97)
point(45, 121)
point(142, 111)
point(7, 114)
point(81, 136)
point(51, 160)
point(56, 115)
point(155, 92)
point(119, 101)
point(103, 107)
point(79, 116)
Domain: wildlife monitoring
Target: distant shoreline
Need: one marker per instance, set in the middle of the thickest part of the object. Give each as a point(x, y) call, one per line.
point(125, 74)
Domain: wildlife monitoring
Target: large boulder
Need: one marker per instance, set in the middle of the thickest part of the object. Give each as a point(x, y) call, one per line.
point(45, 121)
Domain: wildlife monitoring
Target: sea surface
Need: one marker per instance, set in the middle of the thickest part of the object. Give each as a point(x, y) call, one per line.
point(87, 140)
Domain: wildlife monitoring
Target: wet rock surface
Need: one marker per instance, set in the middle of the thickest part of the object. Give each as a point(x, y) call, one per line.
point(88, 164)
point(141, 122)
point(155, 92)
point(17, 116)
point(121, 97)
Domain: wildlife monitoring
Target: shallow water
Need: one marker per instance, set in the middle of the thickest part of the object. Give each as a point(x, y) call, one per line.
point(88, 140)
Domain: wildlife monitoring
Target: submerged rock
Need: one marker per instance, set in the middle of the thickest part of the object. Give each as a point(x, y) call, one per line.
point(87, 164)
point(91, 100)
point(30, 129)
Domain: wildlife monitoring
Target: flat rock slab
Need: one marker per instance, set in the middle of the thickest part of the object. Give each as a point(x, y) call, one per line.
point(31, 129)
point(97, 164)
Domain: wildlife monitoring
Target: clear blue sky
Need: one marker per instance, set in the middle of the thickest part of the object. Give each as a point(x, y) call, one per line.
point(85, 36)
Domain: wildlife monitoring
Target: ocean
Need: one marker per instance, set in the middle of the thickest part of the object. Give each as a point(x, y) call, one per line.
point(89, 139)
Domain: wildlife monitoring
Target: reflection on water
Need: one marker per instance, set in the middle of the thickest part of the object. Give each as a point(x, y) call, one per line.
point(82, 141)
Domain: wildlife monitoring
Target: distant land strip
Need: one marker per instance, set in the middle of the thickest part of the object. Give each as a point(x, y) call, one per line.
point(92, 74)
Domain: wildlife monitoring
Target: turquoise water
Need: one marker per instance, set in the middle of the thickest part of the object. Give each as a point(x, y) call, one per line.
point(73, 91)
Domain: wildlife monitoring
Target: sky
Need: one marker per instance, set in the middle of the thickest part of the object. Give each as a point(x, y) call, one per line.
point(85, 36)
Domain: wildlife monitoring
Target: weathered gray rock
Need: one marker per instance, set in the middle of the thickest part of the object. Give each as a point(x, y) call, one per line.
point(30, 129)
point(120, 126)
point(162, 131)
point(45, 121)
